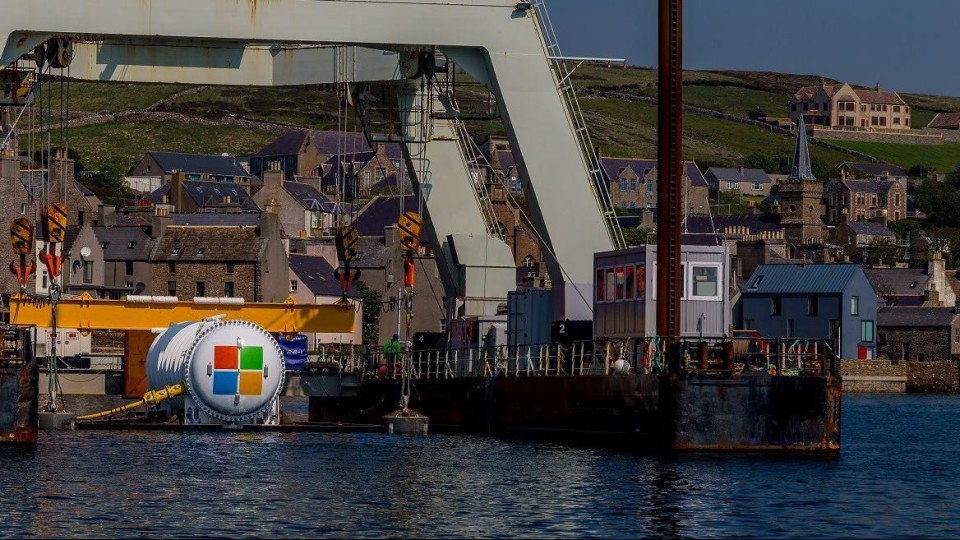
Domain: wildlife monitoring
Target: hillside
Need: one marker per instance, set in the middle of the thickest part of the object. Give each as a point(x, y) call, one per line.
point(117, 123)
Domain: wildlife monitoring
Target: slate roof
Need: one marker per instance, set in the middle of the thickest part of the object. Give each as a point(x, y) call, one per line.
point(207, 244)
point(384, 210)
point(724, 174)
point(373, 254)
point(211, 194)
point(880, 97)
point(132, 220)
point(949, 120)
point(310, 199)
point(199, 164)
point(613, 166)
point(156, 196)
point(871, 228)
point(755, 224)
point(217, 219)
point(123, 243)
point(875, 169)
point(915, 316)
point(84, 190)
point(317, 274)
point(802, 278)
point(898, 281)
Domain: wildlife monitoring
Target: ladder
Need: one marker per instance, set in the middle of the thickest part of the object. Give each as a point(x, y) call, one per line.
point(569, 95)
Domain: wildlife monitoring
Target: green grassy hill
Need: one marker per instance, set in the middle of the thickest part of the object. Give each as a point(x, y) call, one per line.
point(199, 117)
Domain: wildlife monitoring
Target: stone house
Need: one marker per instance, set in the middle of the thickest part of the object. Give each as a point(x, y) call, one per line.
point(861, 236)
point(740, 180)
point(851, 199)
point(632, 183)
point(918, 333)
point(303, 152)
point(873, 171)
point(380, 261)
point(843, 106)
point(304, 212)
point(312, 281)
point(358, 174)
point(244, 262)
point(108, 261)
point(930, 286)
point(199, 167)
point(190, 196)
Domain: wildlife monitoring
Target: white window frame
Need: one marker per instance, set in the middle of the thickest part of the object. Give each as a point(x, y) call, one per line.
point(683, 280)
point(689, 276)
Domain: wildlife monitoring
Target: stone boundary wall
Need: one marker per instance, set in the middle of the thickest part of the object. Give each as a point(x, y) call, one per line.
point(911, 137)
point(884, 376)
point(951, 135)
point(940, 376)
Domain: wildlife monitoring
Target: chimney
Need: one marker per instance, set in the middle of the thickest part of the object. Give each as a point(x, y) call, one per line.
point(159, 222)
point(877, 87)
point(742, 169)
point(106, 215)
point(176, 189)
point(272, 177)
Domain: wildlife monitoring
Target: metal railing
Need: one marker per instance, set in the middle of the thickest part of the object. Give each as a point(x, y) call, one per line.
point(786, 357)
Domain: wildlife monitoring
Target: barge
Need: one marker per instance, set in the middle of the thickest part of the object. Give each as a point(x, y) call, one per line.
point(718, 396)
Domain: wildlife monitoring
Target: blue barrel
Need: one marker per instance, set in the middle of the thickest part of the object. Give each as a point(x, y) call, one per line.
point(294, 351)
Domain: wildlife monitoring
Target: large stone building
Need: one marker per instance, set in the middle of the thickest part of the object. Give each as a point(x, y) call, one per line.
point(801, 199)
point(841, 105)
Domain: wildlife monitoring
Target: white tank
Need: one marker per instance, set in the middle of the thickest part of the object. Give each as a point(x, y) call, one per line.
point(233, 371)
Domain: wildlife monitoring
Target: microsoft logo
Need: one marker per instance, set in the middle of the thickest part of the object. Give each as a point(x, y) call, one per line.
point(237, 371)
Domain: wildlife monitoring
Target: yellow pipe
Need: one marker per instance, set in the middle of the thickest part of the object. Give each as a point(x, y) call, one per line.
point(151, 398)
point(86, 313)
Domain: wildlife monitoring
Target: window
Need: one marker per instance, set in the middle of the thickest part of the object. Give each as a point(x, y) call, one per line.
point(704, 282)
point(813, 305)
point(380, 173)
point(293, 285)
point(366, 179)
point(791, 329)
point(171, 267)
point(229, 268)
point(641, 281)
point(621, 282)
point(128, 268)
point(528, 261)
point(650, 187)
point(23, 208)
point(854, 305)
point(201, 289)
point(611, 285)
point(515, 186)
point(228, 289)
point(132, 244)
point(171, 288)
point(681, 278)
point(956, 335)
point(896, 108)
point(756, 282)
point(623, 186)
point(866, 331)
point(758, 186)
point(733, 185)
point(600, 296)
point(201, 251)
point(775, 305)
point(175, 251)
point(88, 271)
point(629, 288)
point(882, 338)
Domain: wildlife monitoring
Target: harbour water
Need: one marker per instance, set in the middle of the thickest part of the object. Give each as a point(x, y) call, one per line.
point(898, 475)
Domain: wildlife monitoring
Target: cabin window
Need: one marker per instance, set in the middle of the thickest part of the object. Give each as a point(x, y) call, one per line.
point(611, 284)
point(704, 281)
point(641, 281)
point(629, 287)
point(621, 282)
point(600, 286)
point(682, 281)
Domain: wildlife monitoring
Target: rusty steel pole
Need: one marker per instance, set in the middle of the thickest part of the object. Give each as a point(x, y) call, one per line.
point(669, 169)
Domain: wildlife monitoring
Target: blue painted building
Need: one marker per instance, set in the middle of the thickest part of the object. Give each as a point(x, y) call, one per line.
point(834, 301)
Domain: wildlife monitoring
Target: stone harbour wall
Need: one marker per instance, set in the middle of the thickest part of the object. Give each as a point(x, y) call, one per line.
point(884, 376)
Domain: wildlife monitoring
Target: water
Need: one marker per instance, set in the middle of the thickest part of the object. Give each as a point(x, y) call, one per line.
point(898, 476)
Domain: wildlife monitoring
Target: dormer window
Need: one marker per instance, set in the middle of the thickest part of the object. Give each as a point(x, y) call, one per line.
point(176, 251)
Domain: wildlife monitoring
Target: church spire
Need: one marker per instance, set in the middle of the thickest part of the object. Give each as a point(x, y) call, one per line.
point(801, 155)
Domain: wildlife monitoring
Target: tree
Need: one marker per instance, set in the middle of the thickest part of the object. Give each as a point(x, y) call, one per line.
point(922, 170)
point(371, 312)
point(760, 161)
point(639, 236)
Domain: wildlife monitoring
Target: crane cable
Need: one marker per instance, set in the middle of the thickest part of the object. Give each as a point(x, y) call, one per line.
point(151, 399)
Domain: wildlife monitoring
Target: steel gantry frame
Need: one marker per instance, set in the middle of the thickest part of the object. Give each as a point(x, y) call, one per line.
point(249, 42)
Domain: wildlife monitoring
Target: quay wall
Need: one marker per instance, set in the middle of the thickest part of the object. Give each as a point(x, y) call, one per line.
point(884, 376)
